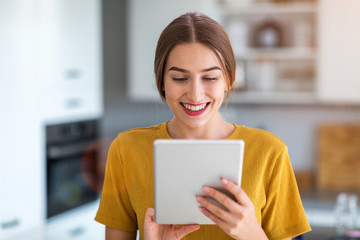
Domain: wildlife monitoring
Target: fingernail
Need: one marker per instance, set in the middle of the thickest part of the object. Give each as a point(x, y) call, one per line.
point(203, 210)
point(206, 189)
point(224, 181)
point(200, 199)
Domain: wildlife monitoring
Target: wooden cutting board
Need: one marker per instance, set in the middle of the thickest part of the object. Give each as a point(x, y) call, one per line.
point(338, 163)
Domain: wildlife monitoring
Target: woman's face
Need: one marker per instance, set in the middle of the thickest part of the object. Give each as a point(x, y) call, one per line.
point(194, 84)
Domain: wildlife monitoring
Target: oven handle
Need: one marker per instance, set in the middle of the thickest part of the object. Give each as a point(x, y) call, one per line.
point(61, 151)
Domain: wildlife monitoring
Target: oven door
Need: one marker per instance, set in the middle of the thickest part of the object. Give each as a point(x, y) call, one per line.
point(70, 168)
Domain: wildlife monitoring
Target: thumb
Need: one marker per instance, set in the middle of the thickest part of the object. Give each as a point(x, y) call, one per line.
point(185, 230)
point(149, 215)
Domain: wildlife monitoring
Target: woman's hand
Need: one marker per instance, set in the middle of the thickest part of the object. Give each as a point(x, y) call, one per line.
point(154, 231)
point(239, 221)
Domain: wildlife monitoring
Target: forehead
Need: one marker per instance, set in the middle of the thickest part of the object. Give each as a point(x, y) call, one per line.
point(192, 56)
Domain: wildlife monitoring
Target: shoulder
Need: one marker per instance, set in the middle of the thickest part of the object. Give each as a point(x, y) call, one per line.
point(259, 138)
point(135, 142)
point(141, 132)
point(140, 135)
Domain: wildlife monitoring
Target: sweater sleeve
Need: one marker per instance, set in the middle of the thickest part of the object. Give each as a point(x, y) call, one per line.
point(115, 209)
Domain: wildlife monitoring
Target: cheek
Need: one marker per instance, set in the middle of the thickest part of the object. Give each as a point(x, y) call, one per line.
point(172, 92)
point(220, 89)
point(219, 94)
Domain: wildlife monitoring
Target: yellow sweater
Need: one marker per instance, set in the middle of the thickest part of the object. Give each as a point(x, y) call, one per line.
point(268, 180)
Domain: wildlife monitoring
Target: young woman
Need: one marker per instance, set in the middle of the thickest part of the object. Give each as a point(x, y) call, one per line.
point(195, 69)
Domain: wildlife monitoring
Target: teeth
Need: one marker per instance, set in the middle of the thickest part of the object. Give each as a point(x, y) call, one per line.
point(194, 108)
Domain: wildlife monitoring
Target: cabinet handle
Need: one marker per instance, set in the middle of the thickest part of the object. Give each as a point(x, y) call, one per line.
point(73, 74)
point(10, 224)
point(75, 232)
point(73, 103)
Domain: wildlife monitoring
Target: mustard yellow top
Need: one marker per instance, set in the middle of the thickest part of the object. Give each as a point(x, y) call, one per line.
point(268, 180)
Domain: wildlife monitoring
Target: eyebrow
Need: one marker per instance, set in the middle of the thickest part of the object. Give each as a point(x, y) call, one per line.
point(186, 71)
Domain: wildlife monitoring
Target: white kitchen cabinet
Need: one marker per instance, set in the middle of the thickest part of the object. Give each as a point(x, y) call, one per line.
point(21, 172)
point(339, 38)
point(50, 68)
point(71, 60)
point(146, 20)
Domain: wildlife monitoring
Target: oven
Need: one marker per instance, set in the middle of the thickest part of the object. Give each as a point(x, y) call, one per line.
point(71, 165)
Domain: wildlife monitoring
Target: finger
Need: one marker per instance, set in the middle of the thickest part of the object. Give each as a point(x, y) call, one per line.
point(185, 230)
point(222, 198)
point(237, 191)
point(215, 210)
point(219, 222)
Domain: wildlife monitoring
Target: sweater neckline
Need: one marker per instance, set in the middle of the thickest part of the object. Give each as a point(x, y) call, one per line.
point(165, 134)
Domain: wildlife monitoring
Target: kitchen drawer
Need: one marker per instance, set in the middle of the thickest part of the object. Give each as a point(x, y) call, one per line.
point(16, 218)
point(85, 102)
point(78, 231)
point(77, 224)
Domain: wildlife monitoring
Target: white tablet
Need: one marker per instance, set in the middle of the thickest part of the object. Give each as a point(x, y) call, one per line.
point(183, 167)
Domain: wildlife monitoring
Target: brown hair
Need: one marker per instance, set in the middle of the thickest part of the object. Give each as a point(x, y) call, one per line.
point(191, 28)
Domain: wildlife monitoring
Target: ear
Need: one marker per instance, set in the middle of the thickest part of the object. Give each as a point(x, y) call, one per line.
point(228, 84)
point(227, 88)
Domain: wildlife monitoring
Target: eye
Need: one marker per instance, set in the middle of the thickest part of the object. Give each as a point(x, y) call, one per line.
point(179, 79)
point(210, 78)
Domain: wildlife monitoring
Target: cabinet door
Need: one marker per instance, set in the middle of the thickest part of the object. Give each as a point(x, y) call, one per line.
point(146, 20)
point(21, 172)
point(339, 51)
point(71, 58)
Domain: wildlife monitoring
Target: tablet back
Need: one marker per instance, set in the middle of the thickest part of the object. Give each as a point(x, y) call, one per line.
point(183, 167)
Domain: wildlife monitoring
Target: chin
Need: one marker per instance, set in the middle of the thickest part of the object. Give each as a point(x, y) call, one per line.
point(196, 123)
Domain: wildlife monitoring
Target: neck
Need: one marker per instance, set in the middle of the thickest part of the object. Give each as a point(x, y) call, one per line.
point(217, 129)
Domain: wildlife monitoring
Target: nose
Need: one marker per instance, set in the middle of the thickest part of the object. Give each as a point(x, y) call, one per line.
point(195, 90)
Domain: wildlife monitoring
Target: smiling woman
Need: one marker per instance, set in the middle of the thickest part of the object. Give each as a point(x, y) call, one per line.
point(195, 68)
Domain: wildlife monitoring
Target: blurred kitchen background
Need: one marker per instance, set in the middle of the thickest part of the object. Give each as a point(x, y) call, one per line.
point(74, 73)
